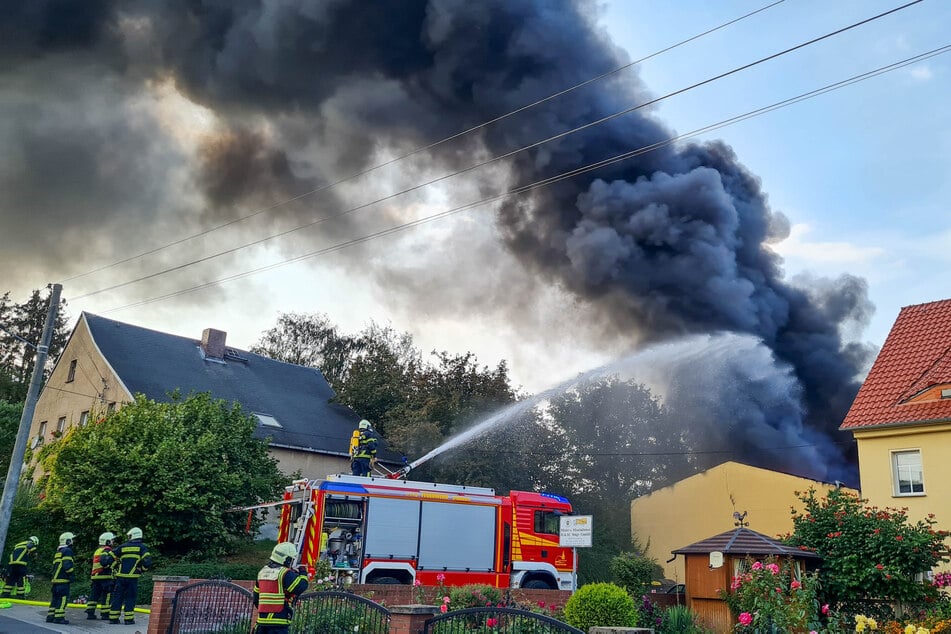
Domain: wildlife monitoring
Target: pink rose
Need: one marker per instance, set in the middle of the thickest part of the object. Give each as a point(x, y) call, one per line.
point(825, 608)
point(795, 585)
point(746, 618)
point(773, 568)
point(444, 608)
point(445, 599)
point(757, 565)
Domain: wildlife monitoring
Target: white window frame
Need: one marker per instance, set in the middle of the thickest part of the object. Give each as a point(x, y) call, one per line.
point(61, 424)
point(896, 477)
point(84, 418)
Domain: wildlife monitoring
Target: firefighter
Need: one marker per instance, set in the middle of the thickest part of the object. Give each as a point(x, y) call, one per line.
point(63, 574)
point(18, 567)
point(365, 453)
point(132, 558)
point(276, 588)
point(102, 578)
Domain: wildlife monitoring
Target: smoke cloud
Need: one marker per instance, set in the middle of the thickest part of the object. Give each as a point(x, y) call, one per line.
point(296, 94)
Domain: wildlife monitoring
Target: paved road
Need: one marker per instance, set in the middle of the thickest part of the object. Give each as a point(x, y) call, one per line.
point(31, 619)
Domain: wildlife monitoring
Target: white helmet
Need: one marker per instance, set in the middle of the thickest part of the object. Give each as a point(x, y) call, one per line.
point(282, 552)
point(105, 538)
point(35, 540)
point(364, 424)
point(66, 539)
point(135, 533)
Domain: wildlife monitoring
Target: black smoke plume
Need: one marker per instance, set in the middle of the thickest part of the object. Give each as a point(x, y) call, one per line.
point(668, 243)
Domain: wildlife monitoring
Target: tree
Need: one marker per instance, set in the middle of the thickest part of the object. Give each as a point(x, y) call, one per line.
point(310, 340)
point(868, 552)
point(9, 424)
point(22, 326)
point(175, 469)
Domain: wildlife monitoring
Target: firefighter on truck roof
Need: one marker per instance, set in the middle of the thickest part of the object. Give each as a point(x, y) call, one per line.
point(363, 455)
point(276, 588)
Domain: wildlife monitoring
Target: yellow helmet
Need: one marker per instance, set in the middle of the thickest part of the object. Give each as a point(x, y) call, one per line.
point(66, 538)
point(135, 533)
point(282, 552)
point(106, 538)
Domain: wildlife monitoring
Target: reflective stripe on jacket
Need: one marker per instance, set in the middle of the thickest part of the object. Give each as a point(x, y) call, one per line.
point(132, 558)
point(20, 552)
point(274, 592)
point(102, 561)
point(63, 565)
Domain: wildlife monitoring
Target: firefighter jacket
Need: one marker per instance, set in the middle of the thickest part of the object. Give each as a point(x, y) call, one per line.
point(366, 445)
point(63, 565)
point(132, 558)
point(20, 553)
point(274, 592)
point(102, 561)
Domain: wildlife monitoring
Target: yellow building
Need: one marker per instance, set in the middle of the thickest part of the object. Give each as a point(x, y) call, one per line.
point(704, 504)
point(901, 416)
point(106, 362)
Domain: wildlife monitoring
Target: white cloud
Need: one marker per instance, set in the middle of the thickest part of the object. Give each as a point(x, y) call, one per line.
point(921, 73)
point(797, 246)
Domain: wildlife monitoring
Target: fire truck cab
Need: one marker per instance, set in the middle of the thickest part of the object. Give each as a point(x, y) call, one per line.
point(378, 530)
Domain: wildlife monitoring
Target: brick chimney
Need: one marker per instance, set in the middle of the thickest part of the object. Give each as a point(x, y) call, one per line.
point(213, 343)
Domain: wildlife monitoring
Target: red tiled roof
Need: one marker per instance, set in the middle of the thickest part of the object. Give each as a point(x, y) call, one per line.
point(916, 356)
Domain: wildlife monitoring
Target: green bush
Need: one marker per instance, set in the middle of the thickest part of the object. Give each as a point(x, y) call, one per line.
point(472, 596)
point(679, 619)
point(634, 572)
point(601, 604)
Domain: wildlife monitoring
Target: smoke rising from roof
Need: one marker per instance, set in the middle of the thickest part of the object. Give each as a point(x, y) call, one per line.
point(671, 242)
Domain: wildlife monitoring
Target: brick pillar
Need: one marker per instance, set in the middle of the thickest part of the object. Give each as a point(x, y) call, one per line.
point(163, 593)
point(409, 619)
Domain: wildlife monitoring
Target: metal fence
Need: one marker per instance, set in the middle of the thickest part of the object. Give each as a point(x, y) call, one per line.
point(498, 620)
point(339, 613)
point(211, 607)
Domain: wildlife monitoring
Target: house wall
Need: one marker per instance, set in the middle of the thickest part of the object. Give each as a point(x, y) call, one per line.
point(875, 469)
point(93, 388)
point(703, 505)
point(310, 465)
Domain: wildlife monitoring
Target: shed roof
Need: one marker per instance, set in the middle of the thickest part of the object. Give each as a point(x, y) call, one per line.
point(743, 541)
point(155, 363)
point(916, 356)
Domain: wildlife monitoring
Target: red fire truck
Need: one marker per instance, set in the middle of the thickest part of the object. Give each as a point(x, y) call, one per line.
point(382, 530)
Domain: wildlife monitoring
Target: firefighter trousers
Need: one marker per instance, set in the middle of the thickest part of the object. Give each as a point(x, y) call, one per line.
point(14, 586)
point(58, 603)
point(100, 596)
point(124, 596)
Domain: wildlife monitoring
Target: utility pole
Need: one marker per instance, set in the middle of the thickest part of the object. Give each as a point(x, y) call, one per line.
point(29, 406)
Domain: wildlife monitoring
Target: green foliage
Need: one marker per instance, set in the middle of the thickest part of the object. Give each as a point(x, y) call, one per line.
point(679, 619)
point(601, 604)
point(9, 423)
point(24, 322)
point(868, 552)
point(473, 596)
point(634, 572)
point(28, 518)
point(771, 596)
point(173, 469)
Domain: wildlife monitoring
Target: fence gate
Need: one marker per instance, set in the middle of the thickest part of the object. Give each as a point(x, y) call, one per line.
point(497, 620)
point(212, 606)
point(339, 613)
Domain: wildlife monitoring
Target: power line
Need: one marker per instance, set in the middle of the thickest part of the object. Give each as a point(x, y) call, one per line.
point(564, 175)
point(497, 157)
point(424, 148)
point(19, 338)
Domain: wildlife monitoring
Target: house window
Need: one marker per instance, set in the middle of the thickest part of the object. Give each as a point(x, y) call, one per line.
point(907, 473)
point(72, 371)
point(268, 420)
point(61, 424)
point(111, 407)
point(84, 418)
point(43, 429)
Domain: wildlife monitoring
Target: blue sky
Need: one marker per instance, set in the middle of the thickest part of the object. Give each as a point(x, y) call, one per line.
point(862, 173)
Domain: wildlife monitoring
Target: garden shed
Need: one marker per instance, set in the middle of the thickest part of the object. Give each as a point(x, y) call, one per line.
point(712, 563)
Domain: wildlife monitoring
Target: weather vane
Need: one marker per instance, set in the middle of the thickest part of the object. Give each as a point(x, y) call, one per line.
point(739, 517)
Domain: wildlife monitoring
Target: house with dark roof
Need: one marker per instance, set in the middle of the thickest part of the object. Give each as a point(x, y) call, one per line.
point(901, 416)
point(106, 363)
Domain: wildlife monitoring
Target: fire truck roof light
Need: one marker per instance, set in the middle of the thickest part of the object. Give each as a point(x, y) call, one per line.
point(555, 497)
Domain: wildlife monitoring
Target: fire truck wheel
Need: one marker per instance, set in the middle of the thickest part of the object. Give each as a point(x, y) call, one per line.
point(389, 581)
point(537, 584)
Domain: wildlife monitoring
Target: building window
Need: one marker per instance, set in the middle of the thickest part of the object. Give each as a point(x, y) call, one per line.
point(907, 473)
point(111, 407)
point(72, 371)
point(84, 418)
point(268, 420)
point(43, 429)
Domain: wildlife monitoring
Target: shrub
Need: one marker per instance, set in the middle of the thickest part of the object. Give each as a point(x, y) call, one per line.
point(473, 596)
point(601, 604)
point(679, 619)
point(634, 572)
point(769, 597)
